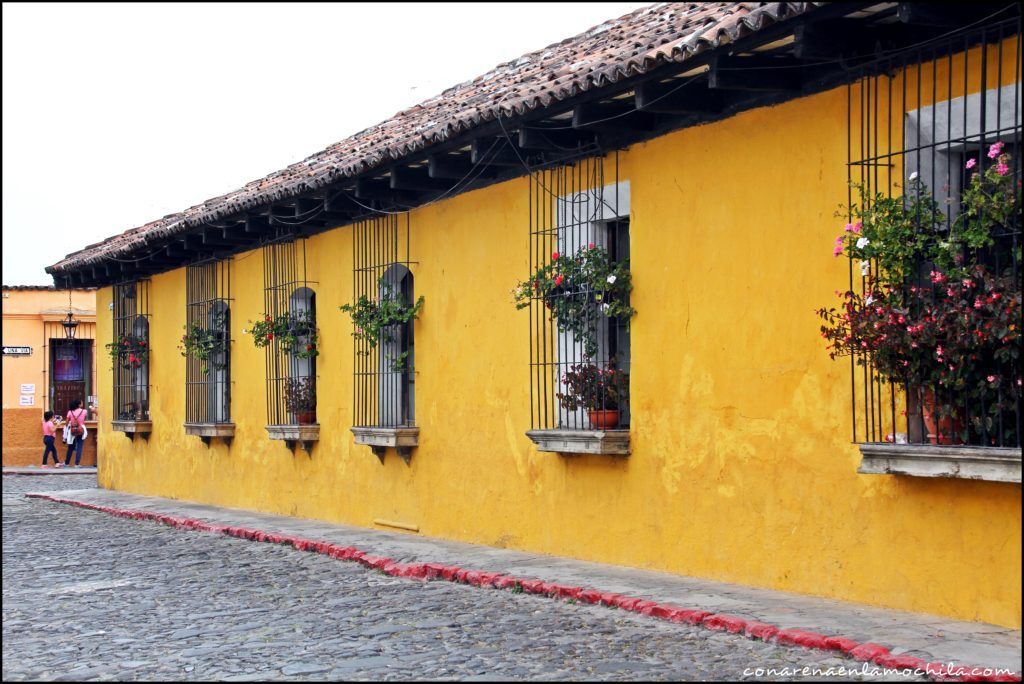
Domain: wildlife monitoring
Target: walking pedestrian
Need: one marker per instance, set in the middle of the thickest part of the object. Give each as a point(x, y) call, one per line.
point(49, 437)
point(75, 432)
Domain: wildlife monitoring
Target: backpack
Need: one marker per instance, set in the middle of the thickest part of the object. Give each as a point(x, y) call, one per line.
point(77, 430)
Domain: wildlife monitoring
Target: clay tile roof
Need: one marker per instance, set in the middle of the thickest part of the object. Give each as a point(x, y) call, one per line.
point(603, 55)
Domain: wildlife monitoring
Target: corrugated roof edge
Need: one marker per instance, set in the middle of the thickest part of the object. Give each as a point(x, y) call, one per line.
point(711, 35)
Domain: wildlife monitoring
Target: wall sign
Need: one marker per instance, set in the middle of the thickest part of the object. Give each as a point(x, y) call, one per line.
point(27, 400)
point(28, 388)
point(17, 351)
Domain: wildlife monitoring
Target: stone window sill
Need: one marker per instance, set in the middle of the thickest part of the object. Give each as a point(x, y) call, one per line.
point(611, 442)
point(995, 464)
point(132, 427)
point(291, 435)
point(208, 431)
point(401, 439)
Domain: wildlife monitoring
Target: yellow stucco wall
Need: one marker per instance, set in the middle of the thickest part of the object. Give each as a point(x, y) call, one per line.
point(742, 468)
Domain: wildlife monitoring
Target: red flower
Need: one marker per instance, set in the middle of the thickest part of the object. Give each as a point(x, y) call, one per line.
point(590, 246)
point(554, 256)
point(268, 319)
point(309, 347)
point(559, 279)
point(142, 343)
point(270, 336)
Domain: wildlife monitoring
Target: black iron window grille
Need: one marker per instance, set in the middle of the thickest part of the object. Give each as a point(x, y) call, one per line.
point(934, 140)
point(579, 350)
point(384, 362)
point(290, 297)
point(130, 351)
point(206, 342)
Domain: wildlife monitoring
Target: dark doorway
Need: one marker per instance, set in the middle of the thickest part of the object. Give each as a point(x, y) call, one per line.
point(70, 373)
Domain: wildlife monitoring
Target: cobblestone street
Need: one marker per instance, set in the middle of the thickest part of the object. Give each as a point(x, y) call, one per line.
point(91, 596)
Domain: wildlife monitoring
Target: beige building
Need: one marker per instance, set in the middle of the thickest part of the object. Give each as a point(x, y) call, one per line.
point(44, 369)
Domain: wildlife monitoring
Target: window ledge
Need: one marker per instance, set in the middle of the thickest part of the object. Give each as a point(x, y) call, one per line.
point(207, 431)
point(995, 464)
point(305, 435)
point(615, 442)
point(132, 427)
point(402, 439)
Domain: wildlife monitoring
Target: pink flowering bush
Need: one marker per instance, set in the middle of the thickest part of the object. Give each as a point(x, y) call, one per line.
point(955, 333)
point(961, 337)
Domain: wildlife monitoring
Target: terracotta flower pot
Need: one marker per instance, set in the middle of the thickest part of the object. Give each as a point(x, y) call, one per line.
point(940, 430)
point(604, 419)
point(306, 418)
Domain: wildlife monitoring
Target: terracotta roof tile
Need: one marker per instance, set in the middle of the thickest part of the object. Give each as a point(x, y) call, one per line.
point(617, 49)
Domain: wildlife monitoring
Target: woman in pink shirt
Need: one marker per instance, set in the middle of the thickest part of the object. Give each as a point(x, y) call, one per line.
point(76, 423)
point(49, 435)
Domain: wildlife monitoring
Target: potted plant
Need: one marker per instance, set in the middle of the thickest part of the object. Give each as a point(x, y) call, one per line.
point(129, 350)
point(579, 290)
point(376, 320)
point(602, 391)
point(295, 331)
point(208, 346)
point(300, 399)
point(954, 339)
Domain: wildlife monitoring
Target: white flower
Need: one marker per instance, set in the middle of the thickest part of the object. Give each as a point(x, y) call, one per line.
point(869, 300)
point(913, 176)
point(865, 267)
point(611, 279)
point(863, 242)
point(604, 308)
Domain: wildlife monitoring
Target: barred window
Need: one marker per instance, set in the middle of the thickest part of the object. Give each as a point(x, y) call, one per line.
point(935, 136)
point(579, 306)
point(289, 297)
point(130, 351)
point(385, 371)
point(207, 342)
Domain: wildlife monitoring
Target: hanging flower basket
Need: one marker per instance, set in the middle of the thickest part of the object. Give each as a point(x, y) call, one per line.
point(296, 333)
point(129, 351)
point(579, 291)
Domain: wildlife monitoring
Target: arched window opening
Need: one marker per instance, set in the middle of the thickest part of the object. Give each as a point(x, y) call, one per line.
point(396, 360)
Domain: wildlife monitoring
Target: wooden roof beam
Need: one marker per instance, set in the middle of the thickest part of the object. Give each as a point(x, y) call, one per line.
point(677, 98)
point(617, 117)
point(495, 151)
point(755, 73)
point(405, 178)
point(560, 138)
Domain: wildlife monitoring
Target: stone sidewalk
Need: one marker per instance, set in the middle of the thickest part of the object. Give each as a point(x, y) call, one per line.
point(37, 470)
point(929, 637)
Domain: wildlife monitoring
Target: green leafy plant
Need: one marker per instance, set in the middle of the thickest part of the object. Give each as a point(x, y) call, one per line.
point(594, 388)
point(374, 321)
point(579, 291)
point(130, 351)
point(208, 345)
point(893, 233)
point(295, 332)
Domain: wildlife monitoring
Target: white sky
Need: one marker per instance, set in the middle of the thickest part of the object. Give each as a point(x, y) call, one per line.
point(117, 114)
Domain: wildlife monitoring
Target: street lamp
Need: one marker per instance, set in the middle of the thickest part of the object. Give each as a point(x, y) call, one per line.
point(69, 323)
